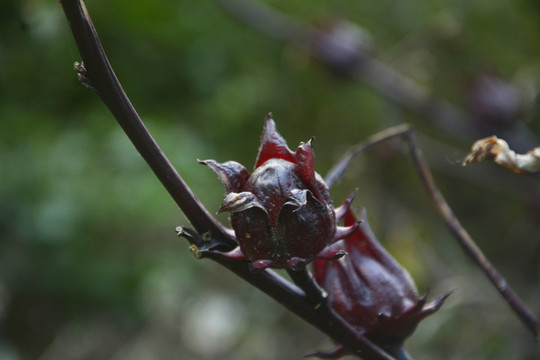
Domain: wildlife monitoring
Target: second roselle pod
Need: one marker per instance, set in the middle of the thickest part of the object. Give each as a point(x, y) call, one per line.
point(372, 292)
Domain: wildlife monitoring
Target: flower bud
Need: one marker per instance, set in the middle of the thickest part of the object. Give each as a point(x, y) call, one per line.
point(282, 213)
point(372, 292)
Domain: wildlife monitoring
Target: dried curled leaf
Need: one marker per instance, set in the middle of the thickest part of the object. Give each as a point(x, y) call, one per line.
point(498, 150)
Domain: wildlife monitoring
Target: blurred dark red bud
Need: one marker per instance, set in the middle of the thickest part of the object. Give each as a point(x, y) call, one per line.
point(282, 213)
point(371, 291)
point(342, 45)
point(494, 101)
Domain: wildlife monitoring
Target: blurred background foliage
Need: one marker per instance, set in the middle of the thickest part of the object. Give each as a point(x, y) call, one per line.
point(90, 267)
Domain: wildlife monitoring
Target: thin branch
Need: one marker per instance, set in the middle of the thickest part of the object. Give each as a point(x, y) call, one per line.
point(336, 173)
point(343, 51)
point(464, 239)
point(96, 73)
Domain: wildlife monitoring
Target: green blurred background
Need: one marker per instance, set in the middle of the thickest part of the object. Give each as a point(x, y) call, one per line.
point(90, 267)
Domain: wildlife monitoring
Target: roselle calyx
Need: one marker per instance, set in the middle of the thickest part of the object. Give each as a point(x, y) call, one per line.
point(282, 213)
point(372, 292)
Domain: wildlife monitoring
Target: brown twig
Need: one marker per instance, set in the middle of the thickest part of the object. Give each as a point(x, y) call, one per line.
point(96, 73)
point(464, 239)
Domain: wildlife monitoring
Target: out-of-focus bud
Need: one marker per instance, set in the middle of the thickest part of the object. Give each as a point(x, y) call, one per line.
point(282, 213)
point(342, 45)
point(372, 292)
point(494, 101)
